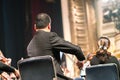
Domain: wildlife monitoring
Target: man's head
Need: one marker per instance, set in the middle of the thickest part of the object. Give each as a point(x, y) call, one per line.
point(42, 21)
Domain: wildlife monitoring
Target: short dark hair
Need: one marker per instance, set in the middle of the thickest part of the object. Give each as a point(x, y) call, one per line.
point(42, 20)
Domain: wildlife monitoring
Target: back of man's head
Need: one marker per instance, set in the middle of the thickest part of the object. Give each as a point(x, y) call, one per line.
point(42, 20)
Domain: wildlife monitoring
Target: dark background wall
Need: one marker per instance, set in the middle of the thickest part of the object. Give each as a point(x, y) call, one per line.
point(12, 24)
point(51, 7)
point(16, 22)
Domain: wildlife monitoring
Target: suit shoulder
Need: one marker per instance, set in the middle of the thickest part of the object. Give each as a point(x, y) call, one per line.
point(53, 34)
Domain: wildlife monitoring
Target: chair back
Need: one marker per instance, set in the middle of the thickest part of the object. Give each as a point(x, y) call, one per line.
point(37, 68)
point(102, 72)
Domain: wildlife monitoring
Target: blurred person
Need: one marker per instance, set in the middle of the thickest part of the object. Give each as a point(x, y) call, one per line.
point(102, 56)
point(5, 68)
point(4, 59)
point(45, 42)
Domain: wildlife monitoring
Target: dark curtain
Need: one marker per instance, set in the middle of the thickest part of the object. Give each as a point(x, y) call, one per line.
point(51, 7)
point(12, 29)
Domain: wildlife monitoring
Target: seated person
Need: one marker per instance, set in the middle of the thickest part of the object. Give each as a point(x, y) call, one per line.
point(102, 56)
point(45, 42)
point(5, 67)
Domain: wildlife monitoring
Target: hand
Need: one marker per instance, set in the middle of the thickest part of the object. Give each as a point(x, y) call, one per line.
point(6, 60)
point(17, 74)
point(79, 64)
point(13, 77)
point(5, 76)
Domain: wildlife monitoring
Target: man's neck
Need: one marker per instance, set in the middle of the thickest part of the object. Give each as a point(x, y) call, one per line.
point(46, 30)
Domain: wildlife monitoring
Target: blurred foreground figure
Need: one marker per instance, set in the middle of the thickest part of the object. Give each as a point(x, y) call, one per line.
point(45, 42)
point(102, 56)
point(7, 72)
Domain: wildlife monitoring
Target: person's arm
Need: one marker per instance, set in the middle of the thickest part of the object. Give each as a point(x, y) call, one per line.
point(7, 68)
point(65, 46)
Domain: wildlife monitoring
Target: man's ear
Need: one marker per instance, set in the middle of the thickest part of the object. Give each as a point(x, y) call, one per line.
point(34, 28)
point(49, 26)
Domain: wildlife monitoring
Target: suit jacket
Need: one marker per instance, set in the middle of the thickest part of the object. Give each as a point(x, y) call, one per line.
point(49, 43)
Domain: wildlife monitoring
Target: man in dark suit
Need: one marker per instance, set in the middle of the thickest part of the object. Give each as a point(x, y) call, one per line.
point(45, 42)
